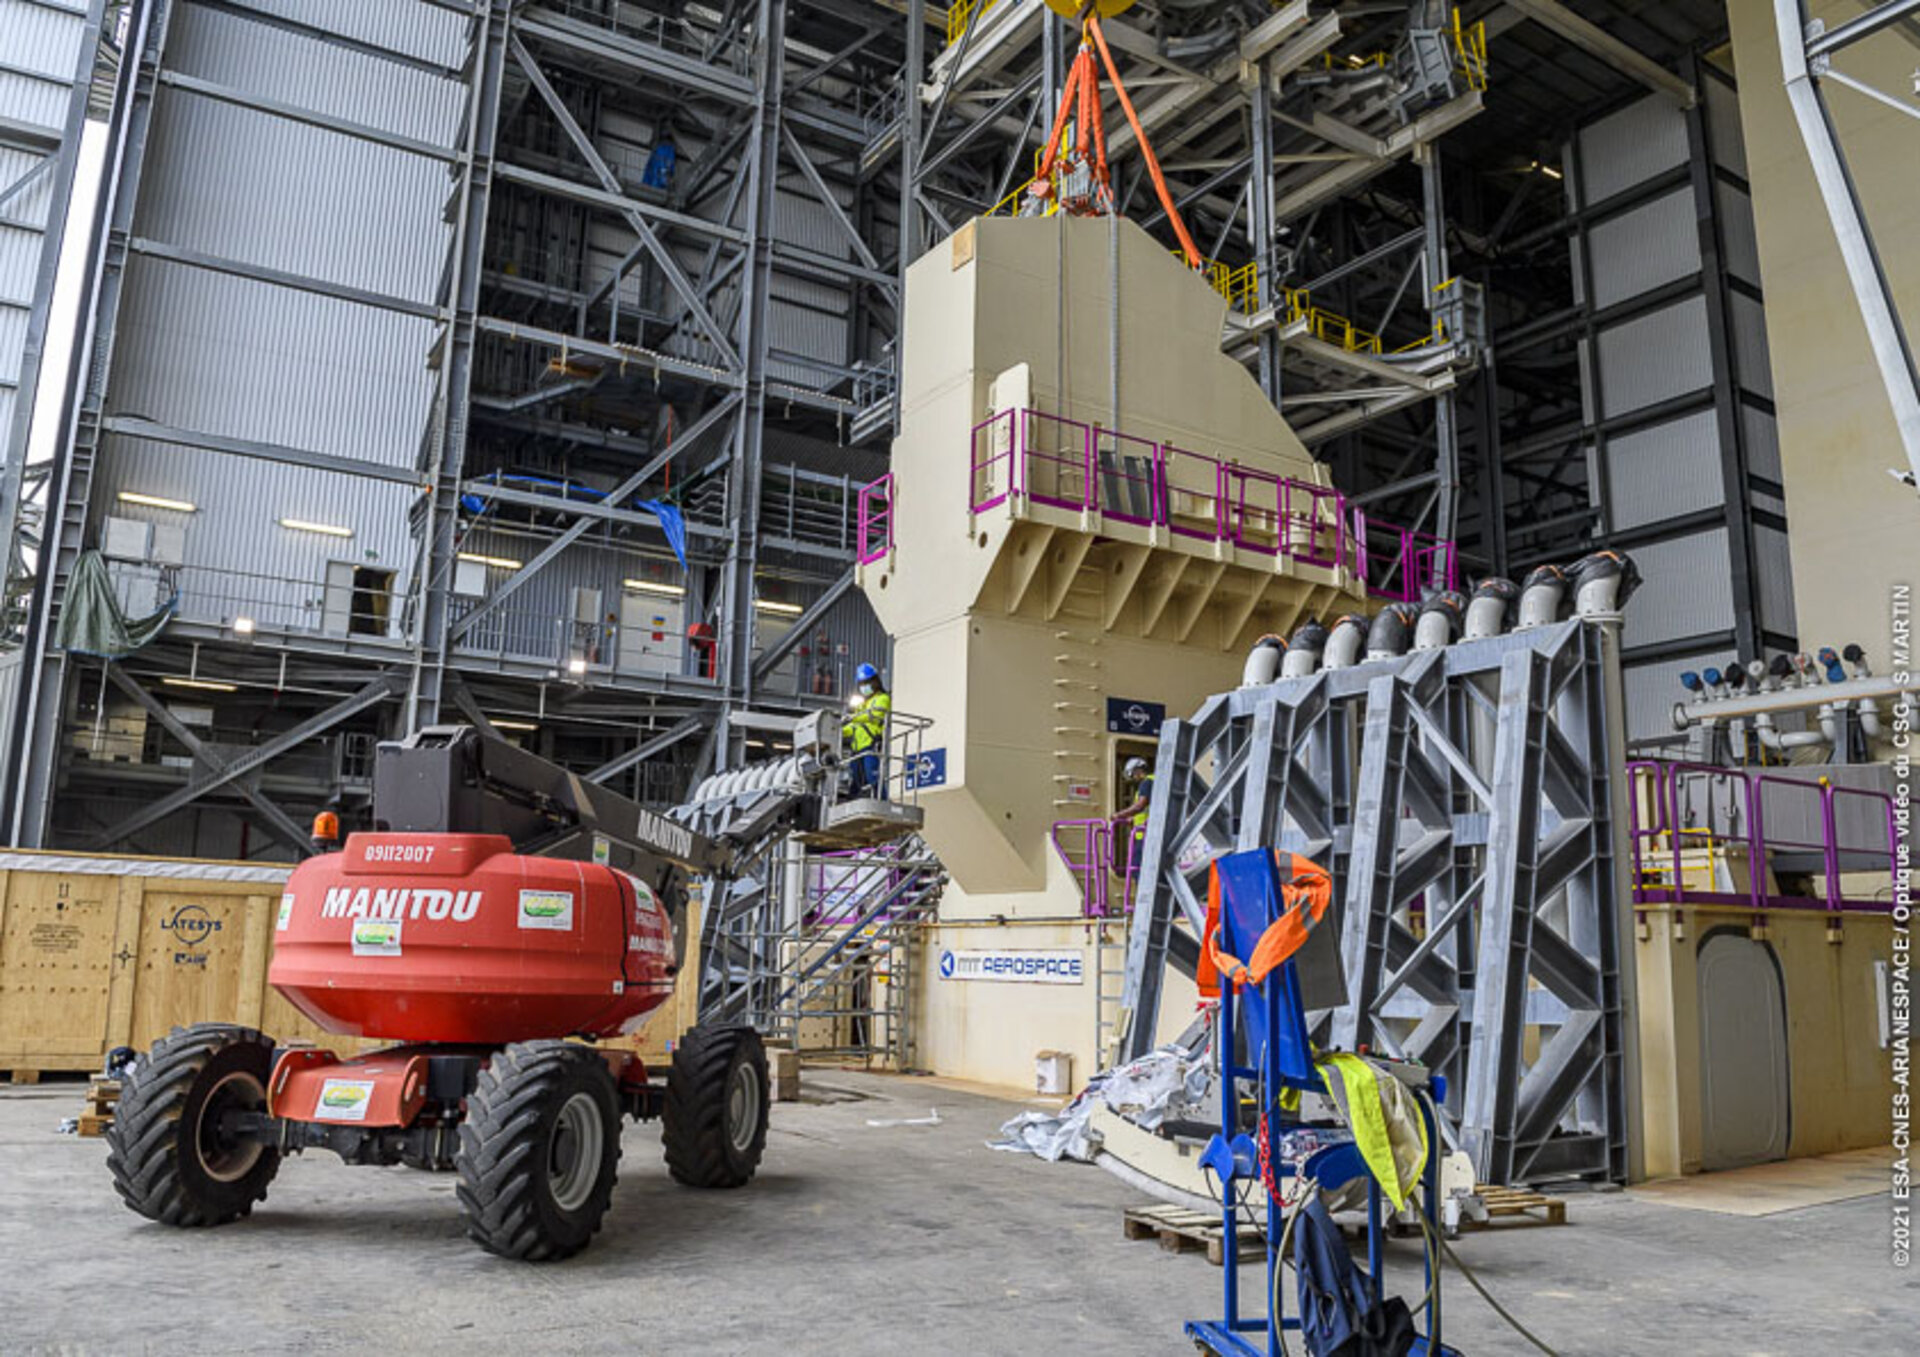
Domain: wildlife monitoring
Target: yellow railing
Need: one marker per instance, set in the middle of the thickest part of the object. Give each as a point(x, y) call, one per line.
point(960, 13)
point(1353, 63)
point(1241, 286)
point(1328, 327)
point(1470, 52)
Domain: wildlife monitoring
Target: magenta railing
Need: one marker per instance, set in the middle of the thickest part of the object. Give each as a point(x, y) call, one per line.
point(994, 476)
point(1667, 781)
point(1092, 869)
point(876, 523)
point(1130, 479)
point(1399, 564)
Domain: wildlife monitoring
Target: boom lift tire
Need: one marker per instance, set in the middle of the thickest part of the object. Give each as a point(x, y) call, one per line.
point(714, 1126)
point(172, 1148)
point(539, 1150)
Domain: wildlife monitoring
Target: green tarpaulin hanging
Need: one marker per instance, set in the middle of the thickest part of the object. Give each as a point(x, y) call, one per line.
point(91, 622)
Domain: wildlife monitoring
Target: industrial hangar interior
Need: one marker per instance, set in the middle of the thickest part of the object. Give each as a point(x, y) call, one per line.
point(815, 665)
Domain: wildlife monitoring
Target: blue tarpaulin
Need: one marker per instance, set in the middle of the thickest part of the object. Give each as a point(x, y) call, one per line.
point(672, 522)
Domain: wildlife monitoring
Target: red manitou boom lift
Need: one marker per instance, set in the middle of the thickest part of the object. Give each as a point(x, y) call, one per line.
point(503, 909)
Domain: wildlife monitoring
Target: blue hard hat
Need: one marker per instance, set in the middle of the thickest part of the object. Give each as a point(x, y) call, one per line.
point(865, 674)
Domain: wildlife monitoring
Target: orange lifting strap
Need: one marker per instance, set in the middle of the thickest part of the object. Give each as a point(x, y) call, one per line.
point(1306, 888)
point(1081, 97)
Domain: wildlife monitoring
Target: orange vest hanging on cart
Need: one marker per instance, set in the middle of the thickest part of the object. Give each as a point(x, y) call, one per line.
point(1306, 888)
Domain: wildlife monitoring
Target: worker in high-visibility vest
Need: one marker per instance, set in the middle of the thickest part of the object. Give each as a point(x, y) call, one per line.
point(1130, 822)
point(865, 731)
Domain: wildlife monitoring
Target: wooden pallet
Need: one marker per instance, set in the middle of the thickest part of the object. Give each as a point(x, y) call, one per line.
point(1180, 1230)
point(102, 1095)
point(1516, 1206)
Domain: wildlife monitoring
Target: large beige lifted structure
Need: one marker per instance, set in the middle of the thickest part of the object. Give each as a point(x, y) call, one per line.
point(1093, 513)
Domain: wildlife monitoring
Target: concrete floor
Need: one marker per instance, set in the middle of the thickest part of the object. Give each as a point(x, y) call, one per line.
point(852, 1240)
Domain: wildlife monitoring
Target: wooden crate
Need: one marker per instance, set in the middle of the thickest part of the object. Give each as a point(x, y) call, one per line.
point(101, 951)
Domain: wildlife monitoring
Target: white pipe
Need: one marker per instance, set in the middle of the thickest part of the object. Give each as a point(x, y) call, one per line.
point(1263, 662)
point(1487, 614)
point(1799, 698)
point(1773, 739)
point(1830, 724)
point(1540, 602)
point(1869, 718)
point(1304, 649)
point(1343, 646)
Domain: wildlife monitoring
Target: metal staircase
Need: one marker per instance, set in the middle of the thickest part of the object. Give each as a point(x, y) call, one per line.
point(843, 984)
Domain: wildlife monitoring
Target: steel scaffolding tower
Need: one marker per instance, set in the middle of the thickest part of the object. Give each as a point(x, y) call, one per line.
point(522, 360)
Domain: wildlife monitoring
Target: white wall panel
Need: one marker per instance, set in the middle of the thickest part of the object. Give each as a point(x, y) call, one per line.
point(1773, 564)
point(1631, 147)
point(1741, 250)
point(1650, 246)
point(1751, 359)
point(1655, 357)
point(227, 355)
point(1664, 472)
point(1652, 688)
point(1689, 589)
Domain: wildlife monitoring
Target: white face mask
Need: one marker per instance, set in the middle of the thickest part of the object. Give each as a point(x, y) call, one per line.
point(866, 690)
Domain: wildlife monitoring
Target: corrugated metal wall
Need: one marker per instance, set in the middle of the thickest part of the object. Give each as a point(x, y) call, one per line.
point(211, 352)
point(45, 42)
point(1659, 415)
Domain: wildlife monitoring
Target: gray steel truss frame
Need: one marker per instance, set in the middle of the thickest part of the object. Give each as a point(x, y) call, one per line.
point(710, 251)
point(1462, 800)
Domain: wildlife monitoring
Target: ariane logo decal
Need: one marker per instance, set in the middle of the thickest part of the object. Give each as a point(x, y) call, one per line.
point(345, 902)
point(547, 909)
point(343, 1100)
point(376, 937)
point(192, 925)
point(946, 965)
point(286, 913)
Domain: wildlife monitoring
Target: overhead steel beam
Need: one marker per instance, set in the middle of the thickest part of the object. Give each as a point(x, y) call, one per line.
point(769, 659)
point(277, 819)
point(644, 58)
point(373, 693)
point(636, 218)
point(1883, 15)
point(175, 254)
point(614, 498)
point(128, 426)
point(1589, 37)
point(645, 750)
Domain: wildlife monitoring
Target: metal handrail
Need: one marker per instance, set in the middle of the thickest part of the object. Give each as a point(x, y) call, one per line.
point(1210, 503)
point(1668, 780)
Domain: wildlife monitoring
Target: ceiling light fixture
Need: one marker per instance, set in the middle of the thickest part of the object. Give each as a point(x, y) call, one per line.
point(178, 506)
point(202, 684)
point(767, 605)
point(497, 562)
point(324, 529)
point(653, 587)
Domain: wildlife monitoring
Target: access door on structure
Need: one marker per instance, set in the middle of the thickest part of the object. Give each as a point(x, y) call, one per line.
point(1744, 1116)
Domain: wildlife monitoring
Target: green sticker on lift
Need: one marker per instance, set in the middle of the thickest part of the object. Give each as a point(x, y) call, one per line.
point(376, 937)
point(546, 909)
